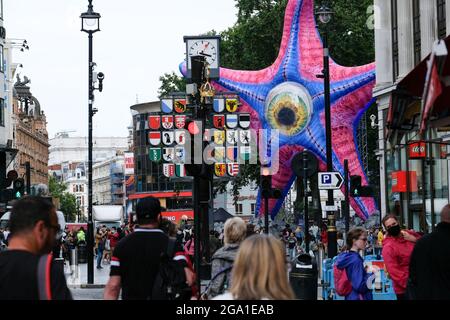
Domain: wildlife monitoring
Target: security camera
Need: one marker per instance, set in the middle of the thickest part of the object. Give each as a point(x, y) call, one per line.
point(100, 76)
point(373, 118)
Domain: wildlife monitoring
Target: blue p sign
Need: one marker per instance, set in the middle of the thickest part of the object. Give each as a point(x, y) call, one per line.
point(326, 179)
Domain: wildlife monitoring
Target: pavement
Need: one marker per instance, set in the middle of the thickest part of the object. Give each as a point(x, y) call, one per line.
point(76, 277)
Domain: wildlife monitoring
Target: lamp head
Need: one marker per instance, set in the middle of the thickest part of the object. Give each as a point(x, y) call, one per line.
point(324, 14)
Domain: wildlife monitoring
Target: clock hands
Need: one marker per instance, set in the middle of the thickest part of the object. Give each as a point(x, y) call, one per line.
point(204, 54)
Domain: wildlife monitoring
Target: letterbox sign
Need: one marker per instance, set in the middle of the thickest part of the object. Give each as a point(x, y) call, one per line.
point(417, 150)
point(399, 181)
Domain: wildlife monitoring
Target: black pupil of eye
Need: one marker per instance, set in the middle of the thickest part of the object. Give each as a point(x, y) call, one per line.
point(286, 117)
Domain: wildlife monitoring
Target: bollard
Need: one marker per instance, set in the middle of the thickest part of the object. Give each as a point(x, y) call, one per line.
point(321, 257)
point(303, 277)
point(73, 261)
point(82, 253)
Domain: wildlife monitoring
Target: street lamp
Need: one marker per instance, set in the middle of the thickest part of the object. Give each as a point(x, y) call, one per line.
point(324, 15)
point(90, 23)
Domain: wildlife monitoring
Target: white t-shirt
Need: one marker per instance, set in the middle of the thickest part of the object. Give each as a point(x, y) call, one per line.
point(224, 296)
point(227, 296)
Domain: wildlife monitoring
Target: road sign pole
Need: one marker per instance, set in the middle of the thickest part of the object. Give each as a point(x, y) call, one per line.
point(266, 215)
point(305, 185)
point(347, 198)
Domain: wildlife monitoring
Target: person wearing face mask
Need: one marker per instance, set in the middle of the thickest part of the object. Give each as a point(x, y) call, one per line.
point(34, 227)
point(398, 246)
point(353, 263)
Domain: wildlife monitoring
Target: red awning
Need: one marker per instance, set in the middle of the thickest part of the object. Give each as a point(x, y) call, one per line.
point(404, 109)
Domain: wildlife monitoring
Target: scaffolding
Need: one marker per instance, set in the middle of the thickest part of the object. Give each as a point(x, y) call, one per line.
point(362, 141)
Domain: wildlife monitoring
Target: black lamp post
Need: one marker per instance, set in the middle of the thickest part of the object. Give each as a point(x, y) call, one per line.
point(325, 14)
point(90, 23)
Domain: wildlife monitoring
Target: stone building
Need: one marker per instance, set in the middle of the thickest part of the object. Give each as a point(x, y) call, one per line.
point(30, 135)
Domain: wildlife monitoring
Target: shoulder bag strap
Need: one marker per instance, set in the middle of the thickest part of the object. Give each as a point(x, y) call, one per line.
point(43, 277)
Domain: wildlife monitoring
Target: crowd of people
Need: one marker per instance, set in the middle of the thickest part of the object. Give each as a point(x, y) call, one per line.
point(154, 259)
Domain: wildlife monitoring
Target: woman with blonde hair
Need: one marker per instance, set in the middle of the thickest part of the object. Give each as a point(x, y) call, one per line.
point(235, 231)
point(260, 271)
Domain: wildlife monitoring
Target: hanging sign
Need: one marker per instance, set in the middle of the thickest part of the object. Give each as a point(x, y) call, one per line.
point(417, 150)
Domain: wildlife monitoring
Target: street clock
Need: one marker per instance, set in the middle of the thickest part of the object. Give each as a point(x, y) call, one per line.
point(206, 46)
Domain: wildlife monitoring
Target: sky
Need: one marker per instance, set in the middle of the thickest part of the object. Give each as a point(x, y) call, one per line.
point(139, 41)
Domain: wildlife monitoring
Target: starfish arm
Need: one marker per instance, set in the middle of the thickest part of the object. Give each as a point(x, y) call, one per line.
point(343, 123)
point(311, 47)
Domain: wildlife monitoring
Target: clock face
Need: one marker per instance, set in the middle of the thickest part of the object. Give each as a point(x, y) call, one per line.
point(204, 47)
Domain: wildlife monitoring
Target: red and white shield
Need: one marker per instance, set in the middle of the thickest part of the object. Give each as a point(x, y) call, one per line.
point(233, 169)
point(180, 136)
point(154, 122)
point(154, 138)
point(167, 122)
point(180, 121)
point(169, 169)
point(219, 121)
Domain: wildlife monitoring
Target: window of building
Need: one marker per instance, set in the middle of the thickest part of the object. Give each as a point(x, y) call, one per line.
point(253, 207)
point(394, 18)
point(238, 208)
point(416, 32)
point(441, 19)
point(2, 112)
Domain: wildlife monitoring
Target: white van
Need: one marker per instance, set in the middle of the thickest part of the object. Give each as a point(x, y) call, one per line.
point(4, 220)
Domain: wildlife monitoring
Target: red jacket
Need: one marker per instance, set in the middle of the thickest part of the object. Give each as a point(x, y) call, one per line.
point(397, 254)
point(113, 239)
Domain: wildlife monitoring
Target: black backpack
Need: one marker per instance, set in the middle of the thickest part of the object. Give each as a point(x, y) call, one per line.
point(170, 281)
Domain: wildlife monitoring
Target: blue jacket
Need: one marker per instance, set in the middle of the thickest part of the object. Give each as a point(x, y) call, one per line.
point(354, 266)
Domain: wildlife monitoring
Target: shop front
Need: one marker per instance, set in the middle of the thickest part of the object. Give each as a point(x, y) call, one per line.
point(417, 139)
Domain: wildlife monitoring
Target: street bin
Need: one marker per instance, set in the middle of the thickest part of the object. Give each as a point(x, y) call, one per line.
point(82, 253)
point(303, 277)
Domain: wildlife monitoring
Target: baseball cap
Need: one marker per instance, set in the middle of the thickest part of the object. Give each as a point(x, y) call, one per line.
point(148, 208)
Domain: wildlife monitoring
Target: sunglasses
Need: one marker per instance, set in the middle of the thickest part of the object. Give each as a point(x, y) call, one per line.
point(57, 228)
point(363, 239)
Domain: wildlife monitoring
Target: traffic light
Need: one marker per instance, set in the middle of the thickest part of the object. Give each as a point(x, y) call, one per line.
point(357, 190)
point(19, 188)
point(266, 188)
point(194, 128)
point(355, 186)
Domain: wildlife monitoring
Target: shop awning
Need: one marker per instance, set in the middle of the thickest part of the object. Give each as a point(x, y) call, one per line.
point(406, 101)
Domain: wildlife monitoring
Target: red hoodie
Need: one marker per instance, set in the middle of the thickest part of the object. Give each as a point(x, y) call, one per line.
point(397, 254)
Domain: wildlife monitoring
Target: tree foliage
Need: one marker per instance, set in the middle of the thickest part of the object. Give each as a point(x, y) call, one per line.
point(67, 200)
point(171, 82)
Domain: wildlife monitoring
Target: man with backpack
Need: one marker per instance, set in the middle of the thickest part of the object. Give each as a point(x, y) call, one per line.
point(143, 265)
point(27, 269)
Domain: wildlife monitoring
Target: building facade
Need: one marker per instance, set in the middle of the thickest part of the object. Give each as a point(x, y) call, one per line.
point(7, 72)
point(414, 188)
point(175, 194)
point(245, 205)
point(68, 162)
point(30, 135)
point(108, 181)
